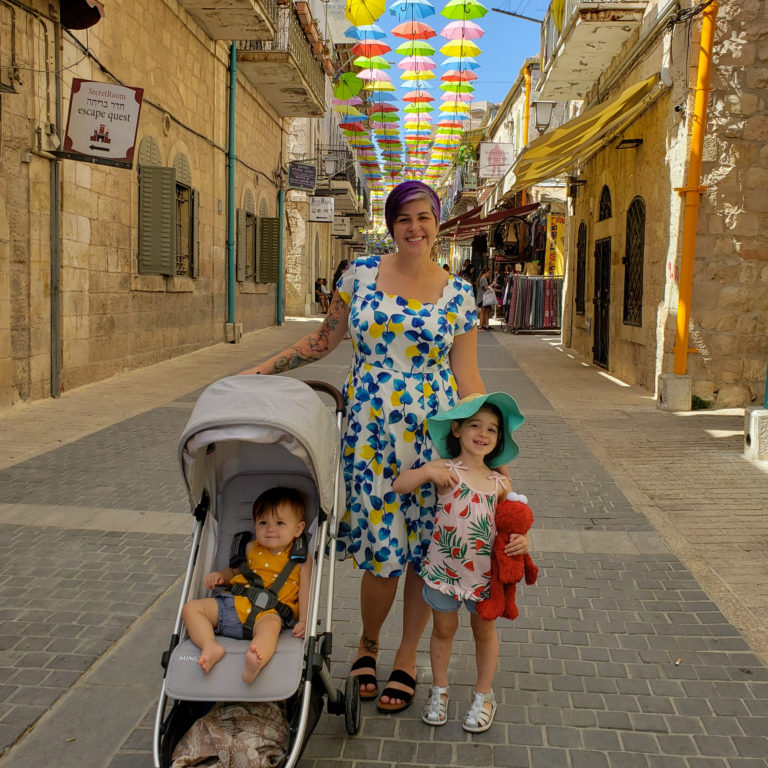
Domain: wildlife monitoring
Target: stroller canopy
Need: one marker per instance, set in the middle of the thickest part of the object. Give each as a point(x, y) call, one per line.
point(269, 410)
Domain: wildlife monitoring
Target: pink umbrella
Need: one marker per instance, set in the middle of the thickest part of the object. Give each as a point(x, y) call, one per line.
point(418, 63)
point(456, 97)
point(374, 74)
point(353, 102)
point(462, 30)
point(418, 96)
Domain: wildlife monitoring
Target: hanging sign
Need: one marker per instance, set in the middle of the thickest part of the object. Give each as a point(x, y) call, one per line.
point(302, 176)
point(321, 209)
point(495, 159)
point(342, 226)
point(554, 260)
point(102, 123)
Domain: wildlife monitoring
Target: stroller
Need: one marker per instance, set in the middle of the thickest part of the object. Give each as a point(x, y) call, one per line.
point(247, 434)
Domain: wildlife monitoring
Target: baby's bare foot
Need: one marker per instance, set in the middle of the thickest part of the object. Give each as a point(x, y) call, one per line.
point(253, 664)
point(209, 656)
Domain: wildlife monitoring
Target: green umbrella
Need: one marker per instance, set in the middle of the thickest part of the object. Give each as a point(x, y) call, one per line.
point(349, 85)
point(415, 48)
point(464, 9)
point(457, 87)
point(371, 62)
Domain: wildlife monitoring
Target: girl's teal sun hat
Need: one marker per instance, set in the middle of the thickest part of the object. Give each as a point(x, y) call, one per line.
point(439, 425)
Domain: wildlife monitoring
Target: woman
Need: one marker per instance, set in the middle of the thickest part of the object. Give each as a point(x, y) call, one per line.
point(415, 344)
point(483, 282)
point(343, 264)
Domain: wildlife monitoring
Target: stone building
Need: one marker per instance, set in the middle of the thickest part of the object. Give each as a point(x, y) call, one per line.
point(626, 158)
point(109, 267)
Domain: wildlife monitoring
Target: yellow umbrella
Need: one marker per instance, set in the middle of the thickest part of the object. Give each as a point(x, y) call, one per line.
point(460, 48)
point(378, 85)
point(362, 12)
point(412, 74)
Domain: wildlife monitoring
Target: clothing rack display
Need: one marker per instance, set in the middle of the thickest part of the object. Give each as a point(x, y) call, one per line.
point(534, 303)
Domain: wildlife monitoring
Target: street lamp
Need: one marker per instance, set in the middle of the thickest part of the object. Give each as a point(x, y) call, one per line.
point(543, 114)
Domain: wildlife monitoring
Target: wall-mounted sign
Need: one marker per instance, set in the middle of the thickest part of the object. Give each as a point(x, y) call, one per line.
point(342, 226)
point(321, 209)
point(302, 176)
point(102, 123)
point(495, 159)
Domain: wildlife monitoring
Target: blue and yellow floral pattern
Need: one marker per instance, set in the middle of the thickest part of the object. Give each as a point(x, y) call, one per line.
point(400, 375)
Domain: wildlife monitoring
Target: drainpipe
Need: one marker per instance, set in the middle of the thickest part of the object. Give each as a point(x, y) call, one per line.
point(526, 117)
point(231, 157)
point(55, 213)
point(693, 190)
point(280, 246)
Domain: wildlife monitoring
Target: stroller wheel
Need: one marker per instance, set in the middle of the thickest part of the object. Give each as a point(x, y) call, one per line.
point(352, 705)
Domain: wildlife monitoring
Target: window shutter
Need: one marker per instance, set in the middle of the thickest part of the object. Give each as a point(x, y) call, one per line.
point(240, 249)
point(195, 232)
point(157, 220)
point(268, 234)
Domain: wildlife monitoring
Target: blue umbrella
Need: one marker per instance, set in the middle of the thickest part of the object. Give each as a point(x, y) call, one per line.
point(463, 62)
point(411, 9)
point(366, 32)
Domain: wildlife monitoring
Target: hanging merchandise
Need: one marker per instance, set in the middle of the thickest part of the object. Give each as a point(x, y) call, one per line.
point(535, 303)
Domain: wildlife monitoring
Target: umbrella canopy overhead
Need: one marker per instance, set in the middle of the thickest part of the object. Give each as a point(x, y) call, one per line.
point(370, 48)
point(462, 30)
point(363, 12)
point(412, 9)
point(415, 48)
point(463, 9)
point(413, 30)
point(460, 48)
point(463, 63)
point(366, 32)
point(371, 62)
point(457, 76)
point(416, 63)
point(349, 85)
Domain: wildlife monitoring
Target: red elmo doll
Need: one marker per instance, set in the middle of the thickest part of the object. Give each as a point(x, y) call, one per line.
point(512, 516)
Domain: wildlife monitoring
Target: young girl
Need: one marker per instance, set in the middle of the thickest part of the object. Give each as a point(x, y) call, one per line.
point(278, 518)
point(475, 435)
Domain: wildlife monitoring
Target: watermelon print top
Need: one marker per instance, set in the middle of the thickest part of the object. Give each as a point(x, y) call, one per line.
point(458, 561)
point(400, 375)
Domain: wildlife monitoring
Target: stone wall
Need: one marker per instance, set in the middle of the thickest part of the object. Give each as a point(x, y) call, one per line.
point(113, 318)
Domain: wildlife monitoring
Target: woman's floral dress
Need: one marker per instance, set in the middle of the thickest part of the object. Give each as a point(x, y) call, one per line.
point(458, 560)
point(400, 375)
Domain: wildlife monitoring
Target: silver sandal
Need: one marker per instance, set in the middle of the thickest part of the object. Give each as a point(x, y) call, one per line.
point(478, 718)
point(435, 711)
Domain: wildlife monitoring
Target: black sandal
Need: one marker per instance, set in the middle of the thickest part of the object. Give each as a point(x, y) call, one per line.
point(365, 678)
point(402, 677)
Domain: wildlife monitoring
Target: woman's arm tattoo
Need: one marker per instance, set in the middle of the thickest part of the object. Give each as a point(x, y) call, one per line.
point(307, 351)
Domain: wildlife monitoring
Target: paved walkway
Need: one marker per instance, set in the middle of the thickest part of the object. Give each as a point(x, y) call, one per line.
point(644, 642)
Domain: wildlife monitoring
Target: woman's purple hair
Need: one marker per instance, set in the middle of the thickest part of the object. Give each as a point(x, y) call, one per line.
point(404, 193)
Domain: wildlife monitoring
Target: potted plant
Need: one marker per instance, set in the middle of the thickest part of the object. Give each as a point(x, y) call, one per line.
point(304, 12)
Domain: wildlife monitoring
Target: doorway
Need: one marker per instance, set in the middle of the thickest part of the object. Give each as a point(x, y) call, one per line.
point(602, 301)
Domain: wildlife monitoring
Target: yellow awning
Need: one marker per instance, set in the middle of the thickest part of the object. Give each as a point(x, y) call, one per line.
point(574, 142)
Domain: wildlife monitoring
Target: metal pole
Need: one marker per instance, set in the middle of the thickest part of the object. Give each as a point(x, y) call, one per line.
point(231, 158)
point(280, 246)
point(692, 191)
point(55, 234)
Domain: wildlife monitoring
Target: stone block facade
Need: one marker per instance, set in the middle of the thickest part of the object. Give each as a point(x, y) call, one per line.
point(730, 284)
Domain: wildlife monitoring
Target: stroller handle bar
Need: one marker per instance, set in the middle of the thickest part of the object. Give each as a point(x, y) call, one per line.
point(329, 389)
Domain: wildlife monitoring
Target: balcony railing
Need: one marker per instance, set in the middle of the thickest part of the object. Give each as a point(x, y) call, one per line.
point(292, 81)
point(577, 46)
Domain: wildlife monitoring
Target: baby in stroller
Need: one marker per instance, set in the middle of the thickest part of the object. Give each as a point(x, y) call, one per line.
point(266, 588)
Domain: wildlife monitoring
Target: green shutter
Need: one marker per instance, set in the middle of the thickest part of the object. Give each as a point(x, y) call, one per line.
point(195, 232)
point(157, 220)
point(240, 255)
point(268, 234)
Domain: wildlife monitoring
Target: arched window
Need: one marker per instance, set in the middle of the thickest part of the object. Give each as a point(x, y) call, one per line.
point(605, 204)
point(184, 215)
point(581, 267)
point(633, 263)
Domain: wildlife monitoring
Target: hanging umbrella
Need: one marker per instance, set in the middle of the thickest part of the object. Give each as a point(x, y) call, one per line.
point(366, 32)
point(371, 62)
point(383, 117)
point(418, 96)
point(457, 87)
point(418, 109)
point(456, 76)
point(412, 74)
point(413, 30)
point(457, 97)
point(381, 108)
point(454, 106)
point(374, 74)
point(415, 48)
point(378, 85)
point(362, 12)
point(464, 9)
point(381, 98)
point(349, 85)
point(458, 30)
point(418, 63)
point(370, 48)
point(460, 48)
point(411, 9)
point(463, 63)
point(351, 126)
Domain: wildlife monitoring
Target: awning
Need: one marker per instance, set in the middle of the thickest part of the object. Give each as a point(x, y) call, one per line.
point(575, 141)
point(472, 221)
